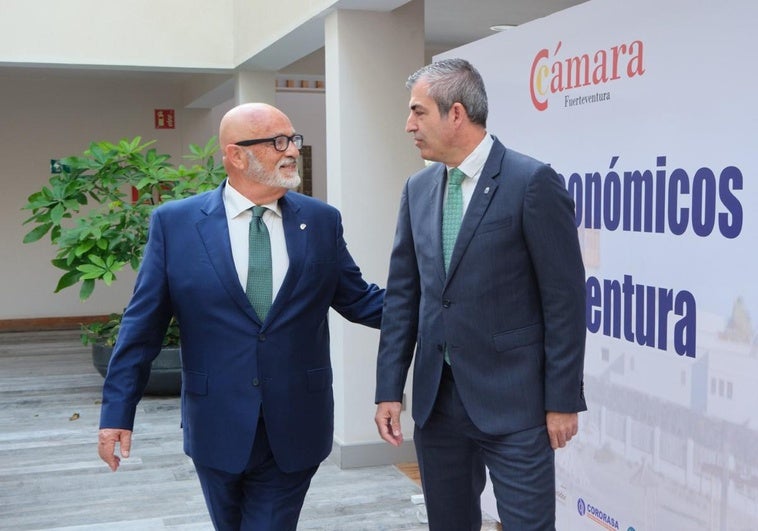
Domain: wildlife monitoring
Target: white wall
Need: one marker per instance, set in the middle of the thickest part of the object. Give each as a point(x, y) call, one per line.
point(307, 111)
point(191, 34)
point(53, 115)
point(168, 33)
point(48, 116)
point(257, 27)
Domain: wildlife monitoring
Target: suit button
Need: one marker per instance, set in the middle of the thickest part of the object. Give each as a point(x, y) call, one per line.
point(446, 303)
point(440, 348)
point(256, 382)
point(262, 337)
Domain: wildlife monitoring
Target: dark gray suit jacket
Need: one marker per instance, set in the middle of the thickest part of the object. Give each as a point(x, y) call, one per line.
point(511, 310)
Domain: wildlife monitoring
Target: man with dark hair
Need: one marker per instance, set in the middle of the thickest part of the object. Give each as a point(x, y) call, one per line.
point(486, 284)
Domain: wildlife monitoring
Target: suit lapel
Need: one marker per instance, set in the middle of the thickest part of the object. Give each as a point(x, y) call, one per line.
point(485, 189)
point(214, 233)
point(295, 234)
point(436, 200)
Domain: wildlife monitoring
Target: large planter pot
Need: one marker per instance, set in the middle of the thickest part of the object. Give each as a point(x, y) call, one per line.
point(165, 374)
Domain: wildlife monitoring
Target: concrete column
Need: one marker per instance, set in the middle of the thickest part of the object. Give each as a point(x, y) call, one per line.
point(369, 56)
point(254, 86)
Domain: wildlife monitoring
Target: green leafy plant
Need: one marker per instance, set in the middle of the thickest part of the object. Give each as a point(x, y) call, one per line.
point(97, 211)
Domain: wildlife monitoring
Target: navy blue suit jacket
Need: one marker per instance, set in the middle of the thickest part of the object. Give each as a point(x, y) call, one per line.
point(232, 362)
point(511, 310)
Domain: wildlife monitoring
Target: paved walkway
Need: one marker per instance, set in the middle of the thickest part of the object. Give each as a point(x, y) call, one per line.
point(52, 478)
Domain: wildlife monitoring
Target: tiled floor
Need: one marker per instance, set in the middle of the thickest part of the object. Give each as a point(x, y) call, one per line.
point(52, 478)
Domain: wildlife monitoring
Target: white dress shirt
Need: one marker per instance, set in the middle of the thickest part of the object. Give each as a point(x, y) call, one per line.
point(472, 166)
point(238, 216)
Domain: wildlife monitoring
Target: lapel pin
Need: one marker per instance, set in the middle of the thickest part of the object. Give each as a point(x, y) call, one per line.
point(302, 226)
point(487, 190)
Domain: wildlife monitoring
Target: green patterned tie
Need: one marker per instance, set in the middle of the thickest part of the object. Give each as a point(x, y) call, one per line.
point(259, 283)
point(452, 213)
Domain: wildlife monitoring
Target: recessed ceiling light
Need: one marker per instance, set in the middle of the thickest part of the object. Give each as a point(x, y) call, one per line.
point(502, 27)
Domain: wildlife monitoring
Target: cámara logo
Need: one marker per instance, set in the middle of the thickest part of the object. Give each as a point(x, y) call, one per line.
point(552, 74)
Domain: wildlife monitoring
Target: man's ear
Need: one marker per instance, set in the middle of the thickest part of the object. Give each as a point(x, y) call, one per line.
point(458, 113)
point(235, 155)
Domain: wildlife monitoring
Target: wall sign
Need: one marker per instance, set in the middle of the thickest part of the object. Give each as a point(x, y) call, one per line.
point(164, 119)
point(667, 212)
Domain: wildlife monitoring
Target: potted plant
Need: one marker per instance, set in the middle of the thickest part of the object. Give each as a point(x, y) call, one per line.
point(97, 210)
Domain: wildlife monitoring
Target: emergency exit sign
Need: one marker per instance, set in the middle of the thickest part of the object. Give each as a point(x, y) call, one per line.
point(164, 119)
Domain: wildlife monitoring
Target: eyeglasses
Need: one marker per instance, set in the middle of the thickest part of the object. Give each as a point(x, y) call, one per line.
point(281, 142)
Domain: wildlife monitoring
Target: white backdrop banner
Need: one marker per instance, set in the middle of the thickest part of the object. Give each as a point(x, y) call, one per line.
point(648, 111)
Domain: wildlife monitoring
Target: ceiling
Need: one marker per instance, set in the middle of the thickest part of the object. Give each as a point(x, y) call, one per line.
point(448, 24)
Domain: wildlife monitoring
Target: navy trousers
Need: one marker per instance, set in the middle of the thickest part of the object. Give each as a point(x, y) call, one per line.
point(261, 497)
point(452, 454)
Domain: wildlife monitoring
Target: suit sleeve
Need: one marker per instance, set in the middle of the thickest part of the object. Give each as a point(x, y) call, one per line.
point(401, 311)
point(140, 336)
point(551, 236)
point(355, 299)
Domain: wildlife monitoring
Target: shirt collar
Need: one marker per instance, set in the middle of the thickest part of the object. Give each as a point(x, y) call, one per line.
point(473, 164)
point(236, 203)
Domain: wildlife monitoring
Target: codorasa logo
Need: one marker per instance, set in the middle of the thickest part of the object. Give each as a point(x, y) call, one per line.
point(552, 73)
point(601, 518)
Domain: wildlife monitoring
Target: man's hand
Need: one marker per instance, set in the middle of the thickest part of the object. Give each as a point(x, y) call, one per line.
point(388, 422)
point(561, 427)
point(106, 445)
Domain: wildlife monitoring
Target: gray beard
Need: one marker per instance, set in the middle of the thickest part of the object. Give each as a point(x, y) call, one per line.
point(273, 178)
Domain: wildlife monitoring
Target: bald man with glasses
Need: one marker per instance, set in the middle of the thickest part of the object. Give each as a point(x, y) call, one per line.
point(250, 271)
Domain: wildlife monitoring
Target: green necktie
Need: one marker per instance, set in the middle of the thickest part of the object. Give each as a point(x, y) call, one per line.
point(452, 213)
point(259, 283)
